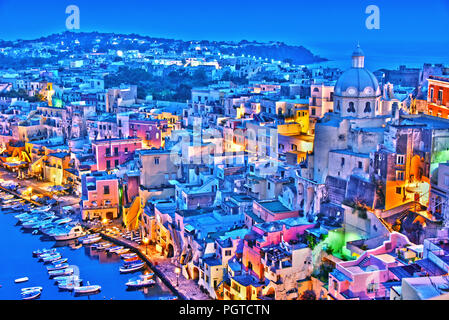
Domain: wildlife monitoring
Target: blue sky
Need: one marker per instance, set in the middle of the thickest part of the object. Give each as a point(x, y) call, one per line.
point(291, 21)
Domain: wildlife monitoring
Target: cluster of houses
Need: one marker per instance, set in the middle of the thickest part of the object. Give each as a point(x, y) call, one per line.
point(333, 184)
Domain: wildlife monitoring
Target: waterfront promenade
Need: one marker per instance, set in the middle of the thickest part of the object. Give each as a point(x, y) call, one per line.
point(185, 289)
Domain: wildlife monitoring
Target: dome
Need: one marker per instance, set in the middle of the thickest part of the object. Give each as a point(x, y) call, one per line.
point(358, 78)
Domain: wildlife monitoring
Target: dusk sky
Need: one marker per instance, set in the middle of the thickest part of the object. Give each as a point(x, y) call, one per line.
point(291, 21)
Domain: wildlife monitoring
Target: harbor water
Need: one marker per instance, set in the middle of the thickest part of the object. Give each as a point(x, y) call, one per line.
point(94, 267)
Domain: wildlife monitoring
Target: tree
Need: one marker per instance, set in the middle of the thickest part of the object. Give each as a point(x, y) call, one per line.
point(308, 295)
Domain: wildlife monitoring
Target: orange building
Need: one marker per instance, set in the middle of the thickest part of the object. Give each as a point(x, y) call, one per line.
point(438, 96)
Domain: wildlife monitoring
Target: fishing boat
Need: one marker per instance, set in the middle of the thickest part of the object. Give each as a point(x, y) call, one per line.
point(61, 279)
point(115, 248)
point(59, 261)
point(51, 258)
point(70, 285)
point(90, 239)
point(131, 267)
point(58, 267)
point(63, 221)
point(62, 272)
point(40, 252)
point(87, 289)
point(141, 281)
point(31, 289)
point(20, 280)
point(122, 251)
point(127, 256)
point(69, 233)
point(31, 294)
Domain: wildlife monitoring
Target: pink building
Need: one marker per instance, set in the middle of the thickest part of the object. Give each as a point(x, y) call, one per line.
point(147, 130)
point(100, 196)
point(270, 234)
point(368, 277)
point(111, 153)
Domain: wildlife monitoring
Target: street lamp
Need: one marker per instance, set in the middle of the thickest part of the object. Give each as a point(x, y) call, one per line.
point(145, 241)
point(177, 271)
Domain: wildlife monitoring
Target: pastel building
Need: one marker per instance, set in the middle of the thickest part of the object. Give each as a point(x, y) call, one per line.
point(111, 153)
point(100, 196)
point(369, 276)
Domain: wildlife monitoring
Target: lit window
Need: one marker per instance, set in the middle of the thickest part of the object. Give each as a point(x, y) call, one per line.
point(400, 159)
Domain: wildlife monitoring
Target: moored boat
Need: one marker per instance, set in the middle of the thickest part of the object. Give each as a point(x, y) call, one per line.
point(127, 256)
point(87, 289)
point(58, 267)
point(32, 294)
point(62, 272)
point(132, 267)
point(69, 233)
point(141, 281)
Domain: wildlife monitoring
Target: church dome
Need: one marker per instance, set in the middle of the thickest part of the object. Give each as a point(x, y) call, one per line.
point(358, 78)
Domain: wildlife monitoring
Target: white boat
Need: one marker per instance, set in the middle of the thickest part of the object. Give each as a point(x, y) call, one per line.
point(115, 248)
point(31, 289)
point(63, 221)
point(141, 281)
point(20, 280)
point(40, 252)
point(131, 267)
point(59, 261)
point(128, 256)
point(32, 294)
point(73, 233)
point(122, 251)
point(91, 240)
point(58, 266)
point(51, 258)
point(87, 289)
point(61, 279)
point(62, 272)
point(70, 285)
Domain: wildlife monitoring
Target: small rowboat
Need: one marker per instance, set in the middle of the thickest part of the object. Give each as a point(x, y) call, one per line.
point(31, 289)
point(58, 267)
point(62, 260)
point(52, 258)
point(20, 280)
point(141, 281)
point(32, 294)
point(61, 279)
point(121, 251)
point(62, 272)
point(114, 249)
point(127, 268)
point(128, 256)
point(70, 285)
point(38, 253)
point(87, 289)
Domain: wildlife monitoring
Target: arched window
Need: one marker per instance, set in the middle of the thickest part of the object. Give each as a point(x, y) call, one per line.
point(367, 107)
point(351, 107)
point(338, 106)
point(316, 90)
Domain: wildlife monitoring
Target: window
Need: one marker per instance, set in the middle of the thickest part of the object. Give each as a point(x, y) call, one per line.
point(108, 151)
point(360, 165)
point(440, 95)
point(372, 287)
point(351, 107)
point(116, 151)
point(313, 111)
point(446, 180)
point(106, 190)
point(367, 107)
point(126, 150)
point(431, 94)
point(400, 175)
point(116, 163)
point(400, 159)
point(342, 162)
point(156, 161)
point(398, 190)
point(108, 164)
point(269, 186)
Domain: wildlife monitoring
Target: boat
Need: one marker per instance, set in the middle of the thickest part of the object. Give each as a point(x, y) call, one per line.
point(62, 272)
point(141, 281)
point(58, 267)
point(131, 267)
point(32, 294)
point(59, 261)
point(122, 251)
point(61, 279)
point(69, 234)
point(51, 258)
point(115, 248)
point(63, 220)
point(91, 240)
point(87, 289)
point(70, 285)
point(20, 280)
point(128, 256)
point(31, 289)
point(39, 252)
